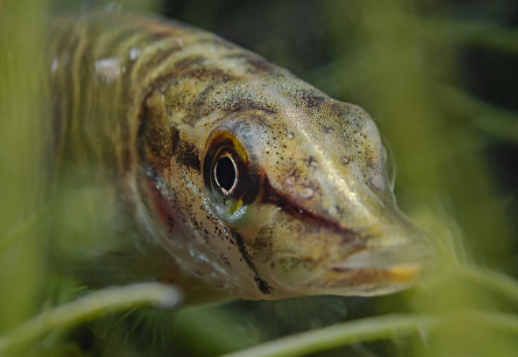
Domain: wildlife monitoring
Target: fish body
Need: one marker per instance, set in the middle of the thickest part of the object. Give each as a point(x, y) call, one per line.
point(255, 183)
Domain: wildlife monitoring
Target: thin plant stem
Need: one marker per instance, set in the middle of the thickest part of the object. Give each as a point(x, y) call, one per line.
point(483, 116)
point(474, 33)
point(500, 283)
point(500, 321)
point(363, 330)
point(370, 329)
point(91, 306)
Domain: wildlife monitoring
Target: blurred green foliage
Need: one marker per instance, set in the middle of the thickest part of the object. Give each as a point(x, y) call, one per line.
point(22, 169)
point(424, 69)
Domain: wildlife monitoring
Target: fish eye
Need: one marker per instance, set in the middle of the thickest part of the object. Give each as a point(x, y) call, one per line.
point(230, 177)
point(225, 173)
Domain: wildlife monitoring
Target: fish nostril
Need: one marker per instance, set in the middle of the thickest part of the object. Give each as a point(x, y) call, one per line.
point(332, 210)
point(378, 182)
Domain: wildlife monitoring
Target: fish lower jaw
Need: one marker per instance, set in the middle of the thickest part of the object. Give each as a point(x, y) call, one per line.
point(378, 271)
point(366, 273)
point(367, 281)
point(354, 282)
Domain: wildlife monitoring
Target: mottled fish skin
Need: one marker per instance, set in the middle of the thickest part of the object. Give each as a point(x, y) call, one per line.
point(158, 104)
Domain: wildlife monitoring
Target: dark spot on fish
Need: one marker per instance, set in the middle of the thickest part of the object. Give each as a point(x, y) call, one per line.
point(162, 83)
point(208, 74)
point(240, 242)
point(188, 63)
point(339, 110)
point(248, 105)
point(175, 139)
point(188, 155)
point(263, 243)
point(241, 102)
point(263, 286)
point(197, 108)
point(171, 224)
point(312, 100)
point(225, 260)
point(159, 56)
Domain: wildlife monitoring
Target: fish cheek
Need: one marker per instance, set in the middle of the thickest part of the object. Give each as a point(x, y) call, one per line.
point(295, 245)
point(168, 160)
point(165, 156)
point(156, 143)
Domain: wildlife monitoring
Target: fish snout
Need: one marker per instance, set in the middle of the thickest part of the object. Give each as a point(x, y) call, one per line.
point(376, 264)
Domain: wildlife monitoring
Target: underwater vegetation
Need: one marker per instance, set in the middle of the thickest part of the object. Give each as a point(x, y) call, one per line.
point(440, 79)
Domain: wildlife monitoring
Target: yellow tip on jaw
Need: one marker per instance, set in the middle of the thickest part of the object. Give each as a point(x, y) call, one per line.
point(403, 273)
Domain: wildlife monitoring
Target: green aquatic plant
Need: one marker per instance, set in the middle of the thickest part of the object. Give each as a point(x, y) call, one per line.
point(400, 61)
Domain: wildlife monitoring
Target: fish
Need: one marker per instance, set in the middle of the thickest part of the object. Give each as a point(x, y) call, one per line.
point(245, 181)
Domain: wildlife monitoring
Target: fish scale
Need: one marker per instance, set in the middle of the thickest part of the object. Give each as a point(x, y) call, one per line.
point(153, 107)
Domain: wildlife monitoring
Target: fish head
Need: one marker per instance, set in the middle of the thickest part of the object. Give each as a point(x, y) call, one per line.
point(305, 192)
point(268, 188)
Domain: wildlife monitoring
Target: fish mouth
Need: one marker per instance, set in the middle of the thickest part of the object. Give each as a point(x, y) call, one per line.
point(376, 271)
point(366, 272)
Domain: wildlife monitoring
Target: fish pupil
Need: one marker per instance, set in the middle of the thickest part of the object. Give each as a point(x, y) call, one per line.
point(225, 173)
